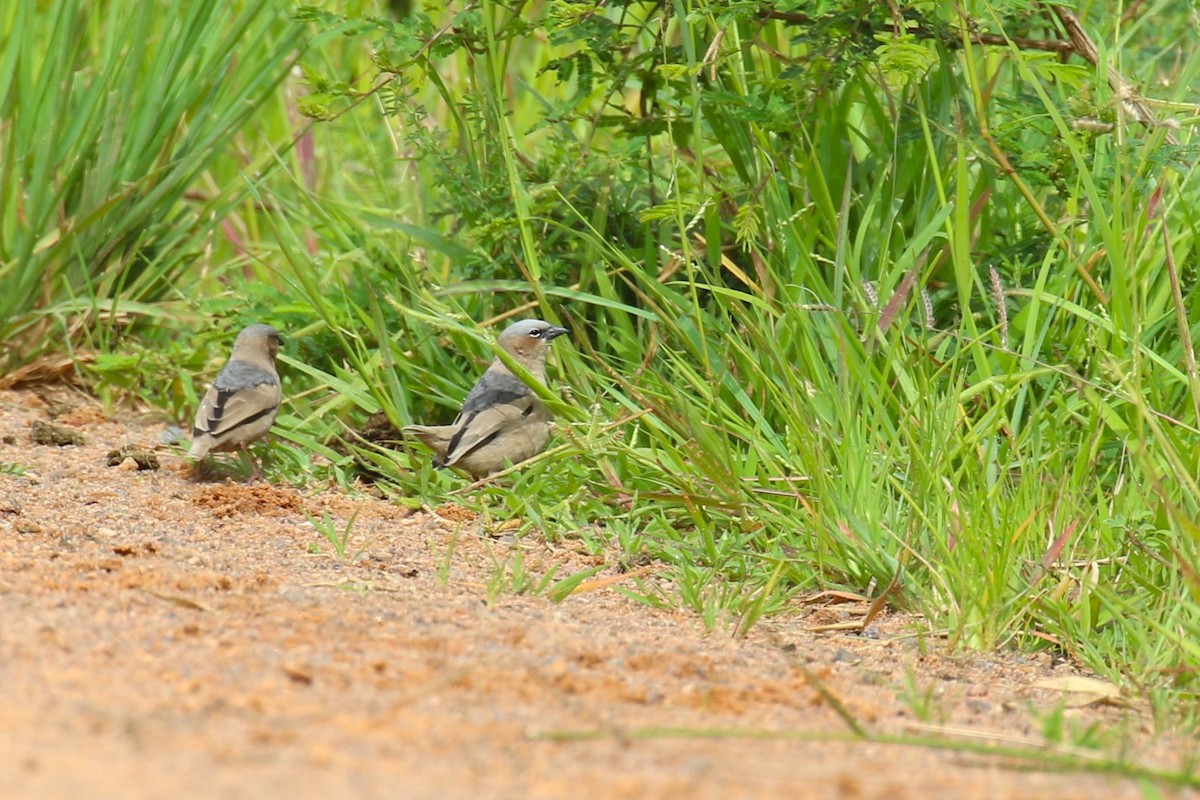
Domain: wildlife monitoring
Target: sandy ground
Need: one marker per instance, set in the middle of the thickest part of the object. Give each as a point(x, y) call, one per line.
point(165, 637)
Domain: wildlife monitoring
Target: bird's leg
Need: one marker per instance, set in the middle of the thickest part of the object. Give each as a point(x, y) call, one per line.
point(201, 468)
point(250, 461)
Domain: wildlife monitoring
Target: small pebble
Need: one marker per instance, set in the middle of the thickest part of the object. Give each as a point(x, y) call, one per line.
point(846, 656)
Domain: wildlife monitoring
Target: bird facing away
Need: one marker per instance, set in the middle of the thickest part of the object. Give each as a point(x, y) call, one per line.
point(241, 405)
point(502, 421)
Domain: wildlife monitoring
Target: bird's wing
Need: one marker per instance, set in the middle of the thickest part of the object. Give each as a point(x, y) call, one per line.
point(498, 399)
point(482, 428)
point(242, 394)
point(495, 387)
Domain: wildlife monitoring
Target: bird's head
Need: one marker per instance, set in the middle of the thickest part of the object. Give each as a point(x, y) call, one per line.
point(258, 340)
point(528, 339)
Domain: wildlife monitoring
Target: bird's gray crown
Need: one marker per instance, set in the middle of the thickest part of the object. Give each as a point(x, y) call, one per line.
point(257, 332)
point(532, 329)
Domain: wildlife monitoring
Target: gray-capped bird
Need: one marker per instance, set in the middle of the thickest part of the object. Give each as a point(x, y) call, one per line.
point(502, 421)
point(241, 405)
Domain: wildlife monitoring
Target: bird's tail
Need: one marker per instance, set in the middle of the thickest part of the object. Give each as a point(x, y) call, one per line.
point(200, 446)
point(435, 437)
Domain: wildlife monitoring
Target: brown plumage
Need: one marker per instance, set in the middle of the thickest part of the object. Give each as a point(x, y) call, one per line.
point(241, 405)
point(502, 421)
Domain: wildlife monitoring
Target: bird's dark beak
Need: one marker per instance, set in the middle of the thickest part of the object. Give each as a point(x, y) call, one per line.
point(554, 333)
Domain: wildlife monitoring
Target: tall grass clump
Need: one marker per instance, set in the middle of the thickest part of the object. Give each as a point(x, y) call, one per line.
point(117, 127)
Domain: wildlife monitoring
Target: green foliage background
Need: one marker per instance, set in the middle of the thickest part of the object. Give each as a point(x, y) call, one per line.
point(856, 290)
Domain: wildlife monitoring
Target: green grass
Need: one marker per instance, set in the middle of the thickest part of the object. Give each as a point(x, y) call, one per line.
point(1052, 758)
point(117, 163)
point(844, 308)
point(338, 540)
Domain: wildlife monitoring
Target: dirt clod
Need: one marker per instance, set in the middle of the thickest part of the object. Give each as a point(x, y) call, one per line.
point(452, 512)
point(55, 435)
point(379, 430)
point(227, 500)
point(143, 458)
point(80, 415)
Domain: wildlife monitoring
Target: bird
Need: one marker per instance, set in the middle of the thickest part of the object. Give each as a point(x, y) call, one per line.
point(502, 421)
point(240, 407)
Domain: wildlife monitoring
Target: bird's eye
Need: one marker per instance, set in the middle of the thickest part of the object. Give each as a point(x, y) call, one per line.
point(535, 334)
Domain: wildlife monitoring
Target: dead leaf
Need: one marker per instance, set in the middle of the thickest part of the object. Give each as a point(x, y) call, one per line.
point(178, 600)
point(832, 597)
point(1046, 637)
point(880, 602)
point(836, 626)
point(609, 580)
point(1056, 547)
point(298, 675)
point(1084, 691)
